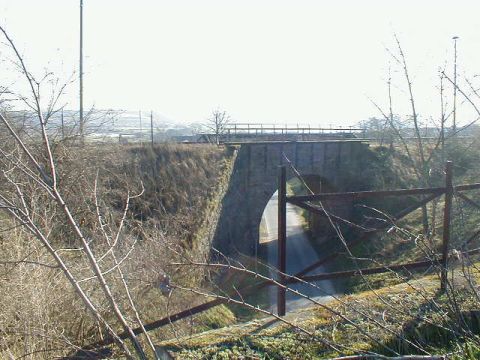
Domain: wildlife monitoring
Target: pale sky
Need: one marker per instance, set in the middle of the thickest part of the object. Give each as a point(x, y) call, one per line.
point(269, 61)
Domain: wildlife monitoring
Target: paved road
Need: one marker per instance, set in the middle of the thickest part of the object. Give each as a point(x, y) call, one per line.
point(300, 254)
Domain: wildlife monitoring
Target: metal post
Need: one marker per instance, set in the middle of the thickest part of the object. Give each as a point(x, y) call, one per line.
point(282, 238)
point(446, 223)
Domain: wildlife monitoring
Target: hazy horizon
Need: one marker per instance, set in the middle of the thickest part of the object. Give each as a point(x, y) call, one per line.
point(285, 62)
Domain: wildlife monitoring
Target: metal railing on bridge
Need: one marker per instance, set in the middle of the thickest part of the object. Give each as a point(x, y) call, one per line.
point(259, 129)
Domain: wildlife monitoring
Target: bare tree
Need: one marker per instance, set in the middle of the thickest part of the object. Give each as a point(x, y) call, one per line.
point(414, 134)
point(33, 197)
point(218, 123)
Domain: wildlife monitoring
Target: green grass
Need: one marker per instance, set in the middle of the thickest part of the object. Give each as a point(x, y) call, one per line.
point(407, 310)
point(214, 318)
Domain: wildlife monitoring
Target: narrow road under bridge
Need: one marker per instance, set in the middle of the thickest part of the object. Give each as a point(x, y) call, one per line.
point(300, 254)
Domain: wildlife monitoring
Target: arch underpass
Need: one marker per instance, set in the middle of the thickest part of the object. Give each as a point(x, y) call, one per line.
point(337, 164)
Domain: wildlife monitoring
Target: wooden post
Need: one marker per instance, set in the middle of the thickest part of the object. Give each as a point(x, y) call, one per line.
point(282, 238)
point(446, 223)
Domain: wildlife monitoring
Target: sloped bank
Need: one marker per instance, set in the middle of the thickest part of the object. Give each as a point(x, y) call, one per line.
point(397, 320)
point(183, 189)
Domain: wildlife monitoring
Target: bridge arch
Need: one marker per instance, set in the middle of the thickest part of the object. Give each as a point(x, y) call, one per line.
point(316, 224)
point(255, 179)
point(295, 186)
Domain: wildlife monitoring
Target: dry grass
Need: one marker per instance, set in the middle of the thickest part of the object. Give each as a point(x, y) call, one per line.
point(40, 316)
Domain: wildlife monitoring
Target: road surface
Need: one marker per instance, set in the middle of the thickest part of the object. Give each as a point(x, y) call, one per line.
point(300, 254)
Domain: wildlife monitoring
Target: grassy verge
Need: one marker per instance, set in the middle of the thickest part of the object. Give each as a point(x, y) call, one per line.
point(408, 318)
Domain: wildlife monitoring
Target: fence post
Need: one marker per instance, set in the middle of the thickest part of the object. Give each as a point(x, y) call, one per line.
point(446, 223)
point(282, 238)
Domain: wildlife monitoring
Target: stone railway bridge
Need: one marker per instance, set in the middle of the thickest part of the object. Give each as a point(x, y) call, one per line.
point(330, 165)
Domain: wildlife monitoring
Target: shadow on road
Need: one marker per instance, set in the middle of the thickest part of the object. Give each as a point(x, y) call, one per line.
point(300, 254)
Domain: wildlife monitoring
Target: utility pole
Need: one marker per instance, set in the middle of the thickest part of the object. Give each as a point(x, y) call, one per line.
point(81, 75)
point(454, 125)
point(151, 126)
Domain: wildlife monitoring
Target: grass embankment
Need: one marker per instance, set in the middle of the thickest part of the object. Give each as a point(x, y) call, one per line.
point(408, 318)
point(388, 168)
point(405, 241)
point(182, 188)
